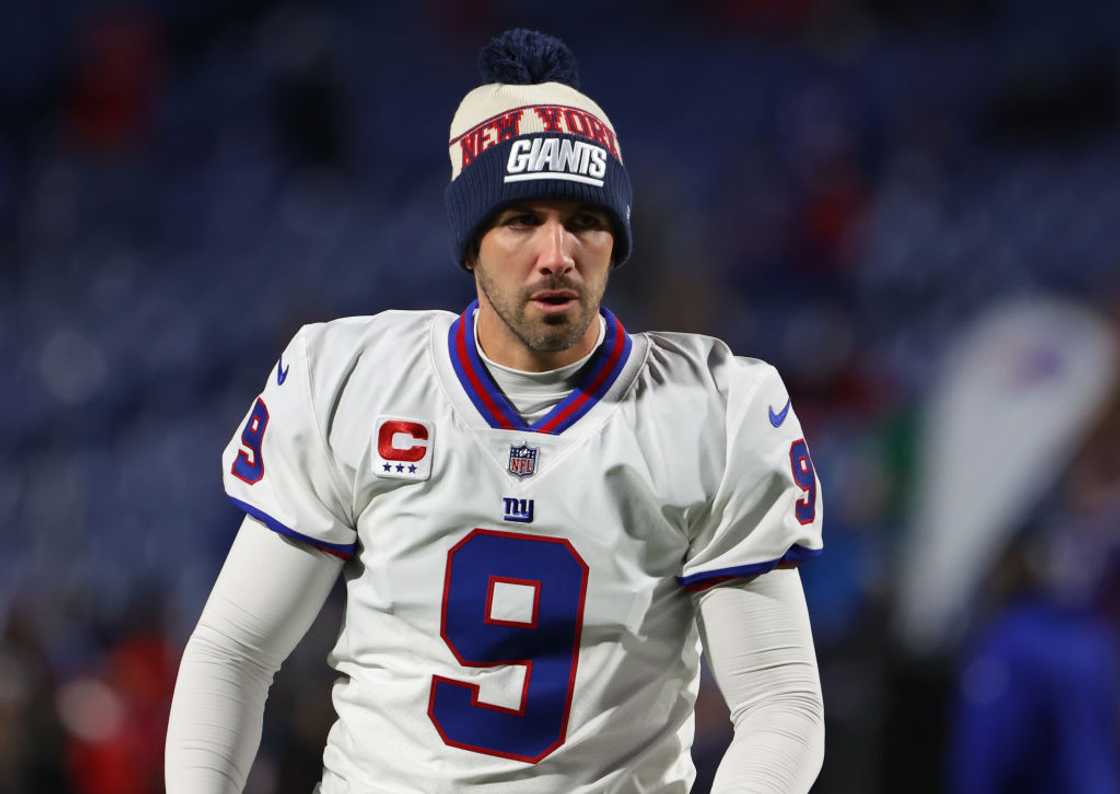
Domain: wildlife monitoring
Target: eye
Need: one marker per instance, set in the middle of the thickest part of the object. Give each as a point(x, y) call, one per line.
point(585, 221)
point(520, 219)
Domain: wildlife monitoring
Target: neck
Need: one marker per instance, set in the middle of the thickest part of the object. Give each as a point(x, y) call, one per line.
point(504, 347)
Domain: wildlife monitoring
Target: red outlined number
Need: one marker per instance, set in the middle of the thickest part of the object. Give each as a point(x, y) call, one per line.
point(546, 642)
point(806, 478)
point(248, 466)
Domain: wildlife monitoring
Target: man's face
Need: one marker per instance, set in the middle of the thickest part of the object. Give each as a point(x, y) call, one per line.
point(543, 267)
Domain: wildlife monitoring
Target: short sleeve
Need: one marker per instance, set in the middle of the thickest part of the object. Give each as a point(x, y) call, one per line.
point(277, 467)
point(766, 511)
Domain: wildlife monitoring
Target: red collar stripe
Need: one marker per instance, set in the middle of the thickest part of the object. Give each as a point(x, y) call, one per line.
point(477, 391)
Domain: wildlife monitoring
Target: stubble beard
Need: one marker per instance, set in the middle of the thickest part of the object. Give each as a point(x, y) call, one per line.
point(549, 333)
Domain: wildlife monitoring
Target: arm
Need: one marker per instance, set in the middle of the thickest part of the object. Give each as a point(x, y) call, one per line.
point(760, 648)
point(266, 597)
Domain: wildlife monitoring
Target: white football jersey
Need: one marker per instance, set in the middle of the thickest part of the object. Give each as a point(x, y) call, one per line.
point(518, 613)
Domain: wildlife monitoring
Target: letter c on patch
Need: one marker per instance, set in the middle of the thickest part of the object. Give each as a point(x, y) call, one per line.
point(388, 435)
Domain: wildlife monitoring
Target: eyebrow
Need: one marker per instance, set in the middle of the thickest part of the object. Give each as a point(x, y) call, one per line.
point(528, 207)
point(516, 209)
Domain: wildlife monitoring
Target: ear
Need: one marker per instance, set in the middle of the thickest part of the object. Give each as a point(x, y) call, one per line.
point(471, 254)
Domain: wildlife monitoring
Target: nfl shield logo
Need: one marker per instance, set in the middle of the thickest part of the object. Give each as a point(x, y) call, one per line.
point(522, 460)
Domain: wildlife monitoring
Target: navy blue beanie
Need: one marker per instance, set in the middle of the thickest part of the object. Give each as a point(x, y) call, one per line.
point(528, 133)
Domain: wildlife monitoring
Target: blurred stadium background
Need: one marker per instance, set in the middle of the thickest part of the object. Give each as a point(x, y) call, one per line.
point(912, 209)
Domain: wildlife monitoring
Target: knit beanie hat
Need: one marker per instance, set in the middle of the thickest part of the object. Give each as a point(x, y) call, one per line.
point(528, 133)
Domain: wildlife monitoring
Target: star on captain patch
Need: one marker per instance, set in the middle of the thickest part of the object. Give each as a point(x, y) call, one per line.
point(523, 460)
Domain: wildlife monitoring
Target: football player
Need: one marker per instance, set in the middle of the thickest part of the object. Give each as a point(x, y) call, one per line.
point(539, 515)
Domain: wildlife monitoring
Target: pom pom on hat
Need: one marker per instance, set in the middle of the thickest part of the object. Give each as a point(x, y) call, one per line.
point(525, 57)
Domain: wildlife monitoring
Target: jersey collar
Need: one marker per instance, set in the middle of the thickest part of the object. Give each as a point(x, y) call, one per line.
point(600, 373)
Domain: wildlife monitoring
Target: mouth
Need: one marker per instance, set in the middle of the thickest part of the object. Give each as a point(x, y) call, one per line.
point(553, 301)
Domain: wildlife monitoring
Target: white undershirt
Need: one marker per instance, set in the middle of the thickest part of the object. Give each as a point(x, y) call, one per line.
point(534, 394)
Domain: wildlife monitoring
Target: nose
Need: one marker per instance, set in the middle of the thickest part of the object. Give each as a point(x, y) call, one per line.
point(556, 244)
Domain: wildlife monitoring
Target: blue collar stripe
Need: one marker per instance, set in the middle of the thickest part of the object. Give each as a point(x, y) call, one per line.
point(601, 375)
point(485, 379)
point(475, 379)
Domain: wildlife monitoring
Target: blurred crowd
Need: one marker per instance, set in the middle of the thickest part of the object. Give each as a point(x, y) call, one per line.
point(846, 189)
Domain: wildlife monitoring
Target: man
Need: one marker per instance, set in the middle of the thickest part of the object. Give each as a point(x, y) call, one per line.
point(539, 513)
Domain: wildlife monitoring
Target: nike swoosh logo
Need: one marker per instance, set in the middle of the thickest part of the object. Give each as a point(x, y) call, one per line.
point(282, 371)
point(776, 419)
